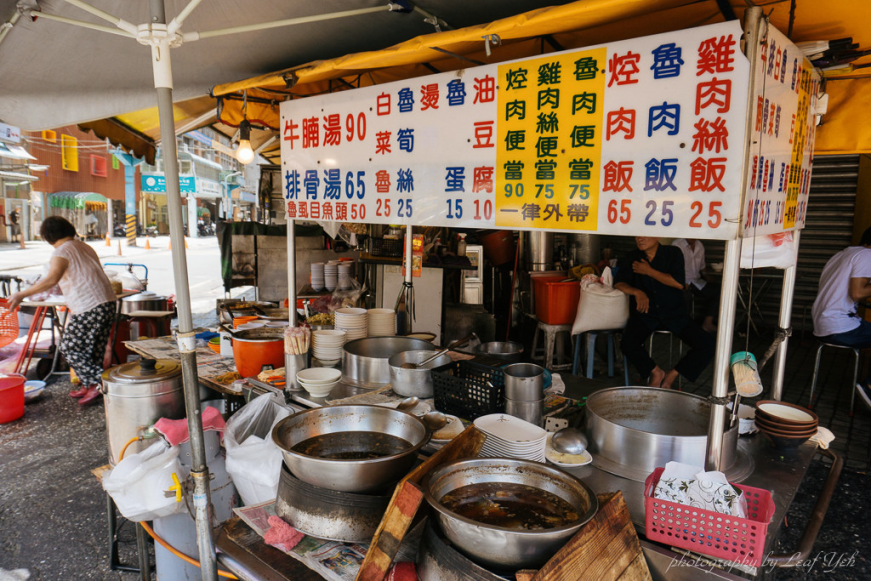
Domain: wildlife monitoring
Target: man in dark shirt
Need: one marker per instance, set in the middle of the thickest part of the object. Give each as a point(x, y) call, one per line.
point(653, 277)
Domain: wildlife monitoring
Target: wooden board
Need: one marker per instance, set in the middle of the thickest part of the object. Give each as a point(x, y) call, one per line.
point(406, 501)
point(240, 542)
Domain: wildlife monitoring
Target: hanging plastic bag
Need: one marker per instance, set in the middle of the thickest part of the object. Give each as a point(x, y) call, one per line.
point(253, 459)
point(601, 306)
point(137, 484)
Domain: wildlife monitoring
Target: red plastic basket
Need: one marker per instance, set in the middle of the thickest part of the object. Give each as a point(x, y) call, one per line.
point(556, 303)
point(8, 324)
point(707, 532)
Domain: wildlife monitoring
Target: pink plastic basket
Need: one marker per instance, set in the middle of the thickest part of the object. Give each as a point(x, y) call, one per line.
point(707, 532)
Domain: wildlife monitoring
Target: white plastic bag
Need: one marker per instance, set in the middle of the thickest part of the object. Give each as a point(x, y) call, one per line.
point(253, 459)
point(138, 482)
point(601, 306)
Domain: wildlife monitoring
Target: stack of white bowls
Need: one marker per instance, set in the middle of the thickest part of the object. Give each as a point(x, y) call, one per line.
point(331, 275)
point(382, 322)
point(354, 322)
point(318, 381)
point(345, 275)
point(327, 346)
point(510, 437)
point(318, 283)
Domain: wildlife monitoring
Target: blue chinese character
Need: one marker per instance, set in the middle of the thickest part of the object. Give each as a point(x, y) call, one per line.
point(406, 100)
point(665, 116)
point(333, 183)
point(659, 174)
point(456, 92)
point(311, 183)
point(291, 187)
point(405, 137)
point(666, 61)
point(454, 179)
point(404, 181)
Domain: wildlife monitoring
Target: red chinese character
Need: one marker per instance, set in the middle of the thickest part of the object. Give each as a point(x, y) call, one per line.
point(485, 90)
point(753, 173)
point(483, 180)
point(311, 134)
point(483, 134)
point(622, 67)
point(705, 175)
point(714, 92)
point(302, 210)
point(621, 120)
point(382, 144)
point(710, 136)
point(617, 176)
point(291, 209)
point(382, 181)
point(765, 175)
point(716, 55)
point(771, 119)
point(777, 57)
point(332, 130)
point(290, 131)
point(383, 104)
point(341, 211)
point(760, 107)
point(327, 211)
point(314, 210)
point(429, 97)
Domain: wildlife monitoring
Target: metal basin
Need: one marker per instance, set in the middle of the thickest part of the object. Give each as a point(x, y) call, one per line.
point(364, 476)
point(634, 430)
point(506, 350)
point(417, 382)
point(365, 361)
point(497, 547)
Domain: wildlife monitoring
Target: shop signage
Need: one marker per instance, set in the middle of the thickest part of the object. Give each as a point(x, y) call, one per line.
point(208, 188)
point(643, 136)
point(157, 184)
point(199, 136)
point(779, 174)
point(10, 133)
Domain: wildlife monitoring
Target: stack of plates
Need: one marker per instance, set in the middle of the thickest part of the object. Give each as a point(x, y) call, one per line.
point(318, 282)
point(510, 437)
point(331, 275)
point(327, 346)
point(345, 275)
point(318, 381)
point(382, 322)
point(354, 322)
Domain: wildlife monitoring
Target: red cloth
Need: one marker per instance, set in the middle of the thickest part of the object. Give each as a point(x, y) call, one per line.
point(404, 571)
point(176, 431)
point(281, 535)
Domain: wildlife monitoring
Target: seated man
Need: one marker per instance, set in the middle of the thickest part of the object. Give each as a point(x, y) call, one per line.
point(694, 264)
point(653, 278)
point(843, 283)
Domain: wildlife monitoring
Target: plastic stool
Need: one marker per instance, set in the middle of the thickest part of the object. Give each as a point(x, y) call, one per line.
point(591, 353)
point(550, 332)
point(817, 372)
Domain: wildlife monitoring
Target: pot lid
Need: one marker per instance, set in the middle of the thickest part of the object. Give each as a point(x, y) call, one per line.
point(145, 371)
point(145, 296)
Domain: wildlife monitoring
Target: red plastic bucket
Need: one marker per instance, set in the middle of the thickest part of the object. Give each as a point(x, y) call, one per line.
point(11, 398)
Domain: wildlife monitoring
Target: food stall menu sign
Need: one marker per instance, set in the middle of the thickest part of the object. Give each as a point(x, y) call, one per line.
point(643, 136)
point(779, 172)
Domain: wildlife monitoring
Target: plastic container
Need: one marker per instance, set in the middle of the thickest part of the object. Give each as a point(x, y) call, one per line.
point(11, 397)
point(461, 389)
point(499, 246)
point(8, 324)
point(556, 303)
point(707, 532)
point(387, 247)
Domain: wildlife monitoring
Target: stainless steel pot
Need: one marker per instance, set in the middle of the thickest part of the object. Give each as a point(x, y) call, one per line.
point(146, 301)
point(349, 475)
point(418, 382)
point(365, 362)
point(634, 430)
point(506, 350)
point(136, 395)
point(498, 547)
point(524, 381)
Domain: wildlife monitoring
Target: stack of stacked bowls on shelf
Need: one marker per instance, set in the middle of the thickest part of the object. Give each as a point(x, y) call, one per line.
point(382, 322)
point(524, 391)
point(327, 346)
point(318, 283)
point(786, 425)
point(510, 437)
point(318, 381)
point(331, 275)
point(354, 322)
point(345, 275)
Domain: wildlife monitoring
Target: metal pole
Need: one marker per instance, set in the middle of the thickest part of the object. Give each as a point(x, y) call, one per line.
point(161, 62)
point(408, 256)
point(291, 271)
point(731, 268)
point(786, 296)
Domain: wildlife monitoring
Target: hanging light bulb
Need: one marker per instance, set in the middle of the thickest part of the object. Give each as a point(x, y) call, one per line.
point(244, 153)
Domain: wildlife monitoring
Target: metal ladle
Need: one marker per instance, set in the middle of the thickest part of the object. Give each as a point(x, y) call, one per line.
point(457, 343)
point(435, 420)
point(408, 403)
point(569, 441)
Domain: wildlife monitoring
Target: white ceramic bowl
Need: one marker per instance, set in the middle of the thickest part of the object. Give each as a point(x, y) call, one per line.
point(319, 390)
point(33, 389)
point(318, 376)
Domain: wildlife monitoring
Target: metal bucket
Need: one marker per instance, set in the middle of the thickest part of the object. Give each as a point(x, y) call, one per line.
point(365, 361)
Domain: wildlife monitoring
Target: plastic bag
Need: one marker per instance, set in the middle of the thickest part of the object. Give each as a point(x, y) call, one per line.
point(347, 297)
point(253, 459)
point(601, 306)
point(138, 482)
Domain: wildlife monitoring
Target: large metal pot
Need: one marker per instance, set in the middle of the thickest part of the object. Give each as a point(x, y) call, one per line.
point(417, 382)
point(365, 362)
point(144, 301)
point(135, 396)
point(362, 476)
point(634, 430)
point(255, 348)
point(498, 547)
point(508, 351)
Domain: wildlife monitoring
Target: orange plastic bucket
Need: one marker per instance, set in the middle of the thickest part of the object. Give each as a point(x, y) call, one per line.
point(11, 398)
point(242, 320)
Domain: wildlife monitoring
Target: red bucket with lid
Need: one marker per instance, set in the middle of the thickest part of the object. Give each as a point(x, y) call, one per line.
point(11, 397)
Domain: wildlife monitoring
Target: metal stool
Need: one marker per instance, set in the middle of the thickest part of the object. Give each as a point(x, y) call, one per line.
point(817, 372)
point(550, 332)
point(591, 353)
